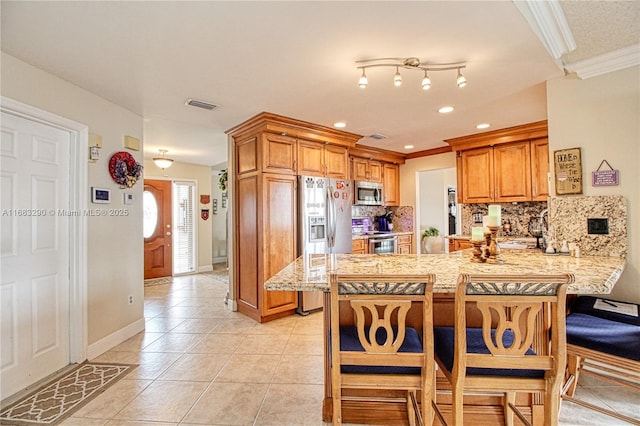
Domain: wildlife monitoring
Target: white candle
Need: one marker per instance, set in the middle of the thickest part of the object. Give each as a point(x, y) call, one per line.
point(494, 211)
point(477, 233)
point(492, 220)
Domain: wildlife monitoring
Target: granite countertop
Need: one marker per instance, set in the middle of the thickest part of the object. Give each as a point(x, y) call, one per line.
point(594, 274)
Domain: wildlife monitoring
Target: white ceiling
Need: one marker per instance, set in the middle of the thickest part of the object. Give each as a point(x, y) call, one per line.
point(298, 59)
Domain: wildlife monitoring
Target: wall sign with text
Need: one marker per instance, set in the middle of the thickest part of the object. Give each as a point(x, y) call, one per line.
point(568, 171)
point(604, 177)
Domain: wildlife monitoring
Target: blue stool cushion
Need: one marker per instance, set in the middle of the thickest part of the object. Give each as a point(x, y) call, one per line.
point(349, 342)
point(444, 338)
point(584, 305)
point(604, 335)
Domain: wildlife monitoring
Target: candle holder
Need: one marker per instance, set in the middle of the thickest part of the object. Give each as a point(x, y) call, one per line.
point(487, 252)
point(494, 248)
point(477, 255)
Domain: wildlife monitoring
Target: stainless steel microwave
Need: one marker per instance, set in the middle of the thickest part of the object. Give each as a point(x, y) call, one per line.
point(368, 193)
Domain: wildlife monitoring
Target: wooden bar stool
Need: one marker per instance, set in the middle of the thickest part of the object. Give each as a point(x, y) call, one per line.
point(500, 355)
point(373, 346)
point(603, 335)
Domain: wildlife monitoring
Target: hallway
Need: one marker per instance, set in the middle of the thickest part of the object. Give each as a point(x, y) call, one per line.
point(200, 364)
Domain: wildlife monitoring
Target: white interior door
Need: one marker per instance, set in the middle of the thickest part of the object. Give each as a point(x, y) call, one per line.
point(34, 285)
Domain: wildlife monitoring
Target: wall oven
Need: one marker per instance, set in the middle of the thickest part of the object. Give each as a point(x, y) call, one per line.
point(383, 244)
point(367, 193)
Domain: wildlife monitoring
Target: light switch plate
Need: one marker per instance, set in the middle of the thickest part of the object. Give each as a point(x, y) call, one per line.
point(128, 198)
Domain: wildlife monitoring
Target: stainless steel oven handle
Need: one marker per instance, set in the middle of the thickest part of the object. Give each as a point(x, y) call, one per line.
point(381, 240)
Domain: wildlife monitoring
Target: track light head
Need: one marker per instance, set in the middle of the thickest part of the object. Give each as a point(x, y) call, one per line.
point(460, 80)
point(363, 81)
point(397, 78)
point(426, 81)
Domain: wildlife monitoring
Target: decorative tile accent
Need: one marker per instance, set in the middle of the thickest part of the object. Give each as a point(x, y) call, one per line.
point(380, 288)
point(568, 217)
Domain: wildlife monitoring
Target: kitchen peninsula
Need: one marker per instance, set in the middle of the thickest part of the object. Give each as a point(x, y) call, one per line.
point(593, 275)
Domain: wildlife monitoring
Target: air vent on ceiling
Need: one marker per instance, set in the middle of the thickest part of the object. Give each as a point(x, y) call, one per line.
point(201, 104)
point(377, 136)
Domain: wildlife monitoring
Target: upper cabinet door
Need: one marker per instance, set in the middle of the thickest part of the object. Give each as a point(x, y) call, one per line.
point(391, 184)
point(367, 170)
point(512, 166)
point(477, 175)
point(310, 158)
point(336, 161)
point(278, 154)
point(540, 169)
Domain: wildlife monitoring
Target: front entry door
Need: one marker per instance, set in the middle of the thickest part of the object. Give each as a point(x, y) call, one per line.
point(35, 285)
point(157, 229)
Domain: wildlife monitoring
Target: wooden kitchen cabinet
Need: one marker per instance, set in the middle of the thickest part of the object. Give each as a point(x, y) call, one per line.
point(359, 246)
point(477, 175)
point(540, 169)
point(319, 159)
point(266, 158)
point(367, 170)
point(512, 172)
point(405, 244)
point(456, 244)
point(507, 165)
point(391, 184)
point(279, 154)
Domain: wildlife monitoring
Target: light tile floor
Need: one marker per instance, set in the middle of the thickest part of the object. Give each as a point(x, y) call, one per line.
point(201, 364)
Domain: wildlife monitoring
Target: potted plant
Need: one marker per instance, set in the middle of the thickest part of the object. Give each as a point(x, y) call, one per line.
point(222, 180)
point(432, 242)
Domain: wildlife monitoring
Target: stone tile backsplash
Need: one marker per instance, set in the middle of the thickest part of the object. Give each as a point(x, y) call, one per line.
point(518, 215)
point(568, 217)
point(402, 215)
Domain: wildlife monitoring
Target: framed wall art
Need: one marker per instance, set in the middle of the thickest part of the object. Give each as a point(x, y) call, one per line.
point(568, 171)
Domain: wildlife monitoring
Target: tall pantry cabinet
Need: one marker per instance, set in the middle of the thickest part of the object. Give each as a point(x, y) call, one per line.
point(266, 153)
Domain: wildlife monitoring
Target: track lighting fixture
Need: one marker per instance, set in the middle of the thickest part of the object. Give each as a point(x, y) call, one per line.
point(162, 161)
point(410, 64)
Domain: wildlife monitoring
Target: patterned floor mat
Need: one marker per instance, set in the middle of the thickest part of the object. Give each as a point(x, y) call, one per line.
point(55, 401)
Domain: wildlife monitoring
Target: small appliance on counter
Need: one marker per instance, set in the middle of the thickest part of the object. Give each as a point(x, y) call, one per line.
point(361, 225)
point(385, 222)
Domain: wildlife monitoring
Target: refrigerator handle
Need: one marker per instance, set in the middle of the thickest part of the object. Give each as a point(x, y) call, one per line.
point(331, 218)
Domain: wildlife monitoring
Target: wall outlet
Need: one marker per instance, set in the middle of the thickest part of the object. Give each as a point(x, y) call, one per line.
point(130, 299)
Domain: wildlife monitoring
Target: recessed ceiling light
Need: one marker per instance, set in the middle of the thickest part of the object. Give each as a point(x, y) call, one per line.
point(408, 146)
point(483, 126)
point(445, 109)
point(340, 124)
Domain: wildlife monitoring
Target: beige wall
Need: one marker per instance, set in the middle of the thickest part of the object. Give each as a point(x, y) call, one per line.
point(202, 176)
point(600, 115)
point(114, 250)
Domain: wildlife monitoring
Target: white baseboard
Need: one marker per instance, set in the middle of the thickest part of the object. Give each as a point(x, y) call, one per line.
point(221, 259)
point(114, 339)
point(205, 268)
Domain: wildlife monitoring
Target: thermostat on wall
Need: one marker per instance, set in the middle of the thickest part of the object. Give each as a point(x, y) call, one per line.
point(100, 195)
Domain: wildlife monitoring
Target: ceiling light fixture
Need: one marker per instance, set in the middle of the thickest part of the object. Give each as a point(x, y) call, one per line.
point(162, 161)
point(445, 109)
point(410, 64)
point(483, 126)
point(340, 124)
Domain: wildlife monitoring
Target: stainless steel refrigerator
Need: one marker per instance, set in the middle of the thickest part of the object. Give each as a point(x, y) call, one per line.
point(324, 225)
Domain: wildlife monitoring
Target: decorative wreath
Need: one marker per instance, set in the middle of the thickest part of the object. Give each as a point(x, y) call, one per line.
point(124, 169)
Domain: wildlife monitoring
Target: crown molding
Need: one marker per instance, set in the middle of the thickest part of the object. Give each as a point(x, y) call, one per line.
point(547, 20)
point(612, 61)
